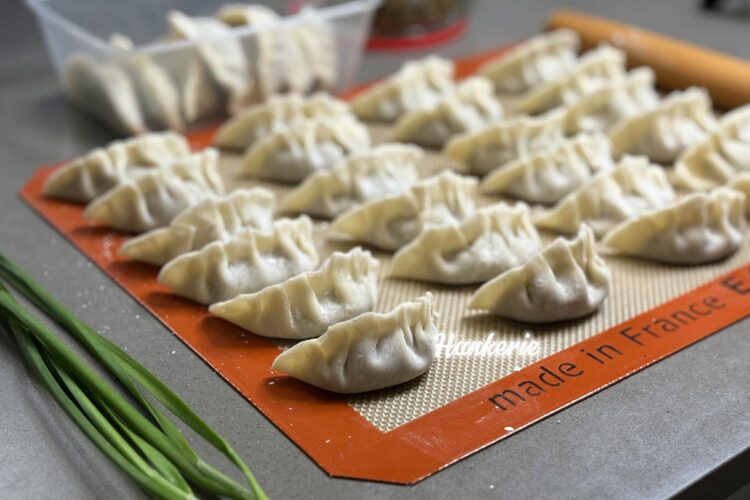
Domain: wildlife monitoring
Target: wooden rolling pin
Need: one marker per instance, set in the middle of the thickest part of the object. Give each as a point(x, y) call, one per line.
point(677, 64)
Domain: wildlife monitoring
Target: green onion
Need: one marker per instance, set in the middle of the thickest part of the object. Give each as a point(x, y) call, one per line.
point(159, 440)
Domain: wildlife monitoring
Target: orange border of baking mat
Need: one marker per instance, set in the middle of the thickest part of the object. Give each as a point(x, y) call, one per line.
point(342, 441)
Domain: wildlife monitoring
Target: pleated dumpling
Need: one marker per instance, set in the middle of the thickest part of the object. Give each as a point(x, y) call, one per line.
point(278, 112)
point(616, 100)
point(548, 175)
point(720, 157)
point(105, 91)
point(213, 219)
point(496, 144)
point(220, 53)
point(564, 281)
point(538, 60)
point(681, 120)
point(742, 184)
point(391, 222)
point(248, 263)
point(470, 107)
point(88, 176)
point(305, 306)
point(315, 36)
point(594, 70)
point(157, 93)
point(155, 198)
point(368, 352)
point(278, 61)
point(385, 170)
point(697, 229)
point(480, 247)
point(291, 154)
point(610, 197)
point(417, 85)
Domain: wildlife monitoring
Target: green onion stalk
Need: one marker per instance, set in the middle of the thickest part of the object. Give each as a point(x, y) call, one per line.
point(144, 443)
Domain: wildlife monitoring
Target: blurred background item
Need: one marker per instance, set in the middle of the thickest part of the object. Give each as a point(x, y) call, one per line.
point(412, 24)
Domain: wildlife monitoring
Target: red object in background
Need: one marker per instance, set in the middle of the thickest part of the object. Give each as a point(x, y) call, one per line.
point(417, 24)
point(419, 41)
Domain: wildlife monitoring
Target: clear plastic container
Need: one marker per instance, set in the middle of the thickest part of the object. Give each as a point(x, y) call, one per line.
point(151, 77)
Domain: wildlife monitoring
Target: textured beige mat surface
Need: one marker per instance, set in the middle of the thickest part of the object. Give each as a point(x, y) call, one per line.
point(636, 287)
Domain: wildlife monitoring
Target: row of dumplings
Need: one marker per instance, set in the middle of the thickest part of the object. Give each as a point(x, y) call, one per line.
point(223, 73)
point(227, 251)
point(264, 275)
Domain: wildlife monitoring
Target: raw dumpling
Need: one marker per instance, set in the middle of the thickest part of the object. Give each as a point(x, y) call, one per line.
point(616, 100)
point(392, 222)
point(278, 112)
point(472, 106)
point(482, 246)
point(417, 85)
point(697, 229)
point(83, 179)
point(595, 69)
point(496, 144)
point(720, 157)
point(276, 50)
point(385, 170)
point(305, 306)
point(155, 198)
point(610, 197)
point(248, 263)
point(158, 95)
point(564, 281)
point(683, 118)
point(221, 54)
point(293, 153)
point(242, 14)
point(317, 44)
point(538, 60)
point(548, 175)
point(742, 184)
point(369, 352)
point(105, 91)
point(214, 219)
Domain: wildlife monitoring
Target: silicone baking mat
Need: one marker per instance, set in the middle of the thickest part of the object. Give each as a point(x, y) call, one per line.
point(471, 397)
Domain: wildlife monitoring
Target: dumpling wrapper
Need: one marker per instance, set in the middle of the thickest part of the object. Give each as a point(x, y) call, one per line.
point(470, 107)
point(549, 174)
point(91, 175)
point(494, 145)
point(610, 197)
point(305, 306)
point(480, 247)
point(719, 158)
point(681, 120)
point(221, 54)
point(566, 280)
point(697, 229)
point(615, 101)
point(214, 219)
point(248, 263)
point(291, 154)
point(105, 91)
point(155, 198)
point(278, 112)
point(417, 85)
point(391, 222)
point(540, 59)
point(385, 170)
point(595, 69)
point(369, 352)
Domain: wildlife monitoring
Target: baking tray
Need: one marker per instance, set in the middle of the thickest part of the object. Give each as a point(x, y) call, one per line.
point(404, 434)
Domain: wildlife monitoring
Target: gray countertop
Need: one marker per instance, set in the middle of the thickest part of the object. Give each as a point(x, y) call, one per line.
point(648, 436)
